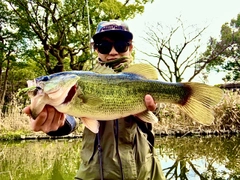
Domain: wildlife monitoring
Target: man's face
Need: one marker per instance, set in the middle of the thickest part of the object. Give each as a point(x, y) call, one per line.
point(109, 49)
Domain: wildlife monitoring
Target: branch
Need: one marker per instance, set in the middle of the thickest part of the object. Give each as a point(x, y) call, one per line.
point(213, 56)
point(195, 170)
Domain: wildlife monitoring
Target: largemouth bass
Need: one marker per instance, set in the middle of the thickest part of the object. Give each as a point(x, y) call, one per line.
point(106, 95)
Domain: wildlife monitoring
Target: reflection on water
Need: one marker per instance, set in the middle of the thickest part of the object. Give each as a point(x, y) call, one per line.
point(181, 158)
point(39, 160)
point(200, 157)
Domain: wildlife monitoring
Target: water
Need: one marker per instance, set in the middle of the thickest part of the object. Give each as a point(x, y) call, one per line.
point(200, 157)
point(181, 158)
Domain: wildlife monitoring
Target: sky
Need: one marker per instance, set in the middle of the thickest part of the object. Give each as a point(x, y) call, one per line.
point(201, 13)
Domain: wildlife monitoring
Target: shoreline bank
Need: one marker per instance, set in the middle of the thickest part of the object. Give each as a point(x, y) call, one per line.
point(19, 137)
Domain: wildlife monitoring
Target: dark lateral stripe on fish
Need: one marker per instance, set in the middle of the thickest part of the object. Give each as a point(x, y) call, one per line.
point(188, 91)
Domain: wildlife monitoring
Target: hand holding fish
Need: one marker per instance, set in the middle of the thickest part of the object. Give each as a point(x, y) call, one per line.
point(51, 120)
point(48, 120)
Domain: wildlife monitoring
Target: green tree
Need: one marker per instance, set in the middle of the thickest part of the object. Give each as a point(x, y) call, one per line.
point(60, 31)
point(11, 45)
point(226, 50)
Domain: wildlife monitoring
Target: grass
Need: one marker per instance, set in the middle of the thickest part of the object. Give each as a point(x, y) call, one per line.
point(39, 160)
point(15, 124)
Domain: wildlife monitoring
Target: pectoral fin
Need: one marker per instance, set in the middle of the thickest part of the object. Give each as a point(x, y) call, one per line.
point(147, 116)
point(91, 124)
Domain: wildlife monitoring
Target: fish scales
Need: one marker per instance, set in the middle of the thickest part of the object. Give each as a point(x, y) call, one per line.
point(120, 95)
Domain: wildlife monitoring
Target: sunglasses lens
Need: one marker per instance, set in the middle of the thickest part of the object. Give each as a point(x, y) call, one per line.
point(121, 46)
point(105, 47)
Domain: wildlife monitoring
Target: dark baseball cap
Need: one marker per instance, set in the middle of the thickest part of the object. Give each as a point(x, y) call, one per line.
point(113, 29)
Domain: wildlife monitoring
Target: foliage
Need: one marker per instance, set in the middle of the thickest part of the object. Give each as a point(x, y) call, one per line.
point(61, 30)
point(11, 43)
point(14, 70)
point(226, 50)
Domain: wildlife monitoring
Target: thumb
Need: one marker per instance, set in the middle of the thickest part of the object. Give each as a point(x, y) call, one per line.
point(27, 110)
point(149, 102)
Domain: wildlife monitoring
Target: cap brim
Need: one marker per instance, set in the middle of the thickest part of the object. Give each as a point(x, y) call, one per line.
point(113, 34)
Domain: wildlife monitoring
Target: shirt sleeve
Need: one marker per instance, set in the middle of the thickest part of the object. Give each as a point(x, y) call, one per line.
point(67, 128)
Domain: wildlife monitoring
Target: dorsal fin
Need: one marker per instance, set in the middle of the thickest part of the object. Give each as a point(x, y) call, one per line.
point(145, 70)
point(103, 69)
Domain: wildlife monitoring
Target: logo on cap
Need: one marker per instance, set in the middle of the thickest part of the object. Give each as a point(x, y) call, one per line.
point(112, 27)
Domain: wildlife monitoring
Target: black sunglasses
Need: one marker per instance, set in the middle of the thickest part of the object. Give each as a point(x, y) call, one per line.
point(105, 47)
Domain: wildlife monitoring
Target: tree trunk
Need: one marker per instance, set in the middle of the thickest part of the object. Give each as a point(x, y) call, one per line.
point(4, 87)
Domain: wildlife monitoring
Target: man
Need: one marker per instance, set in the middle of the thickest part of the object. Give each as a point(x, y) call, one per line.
point(123, 148)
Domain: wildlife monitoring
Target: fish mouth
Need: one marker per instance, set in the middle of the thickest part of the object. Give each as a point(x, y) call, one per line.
point(70, 94)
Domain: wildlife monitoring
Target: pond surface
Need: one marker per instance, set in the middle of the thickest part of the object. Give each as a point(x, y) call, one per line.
point(181, 158)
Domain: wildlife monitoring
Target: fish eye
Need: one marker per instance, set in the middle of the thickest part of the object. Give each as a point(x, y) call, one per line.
point(38, 88)
point(35, 92)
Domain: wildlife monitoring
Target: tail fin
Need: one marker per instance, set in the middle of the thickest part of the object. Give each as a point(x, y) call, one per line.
point(201, 99)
